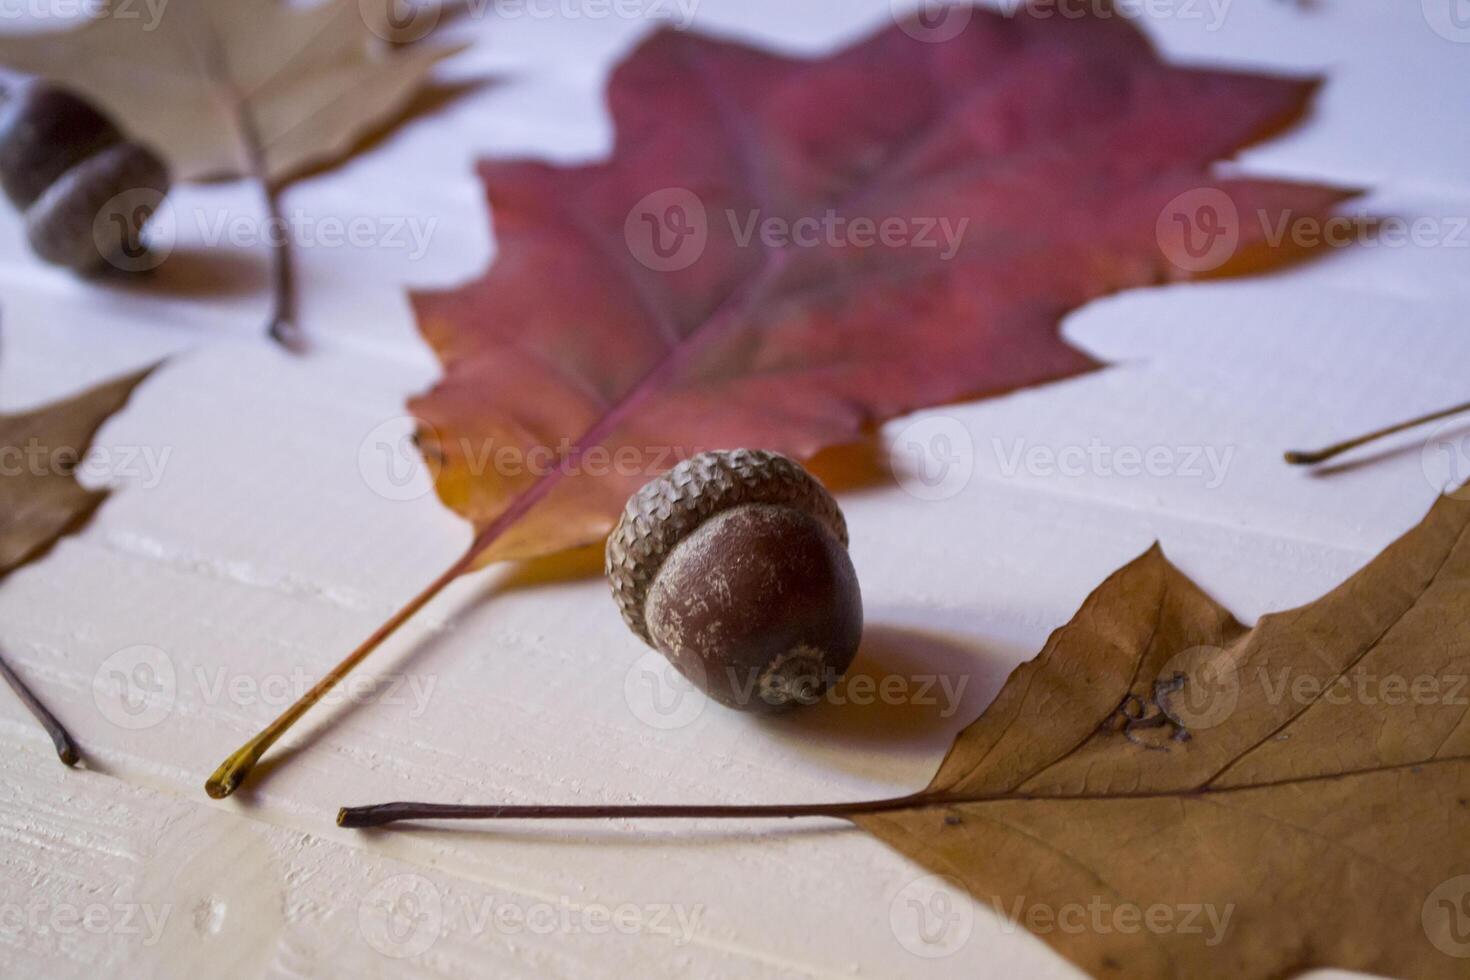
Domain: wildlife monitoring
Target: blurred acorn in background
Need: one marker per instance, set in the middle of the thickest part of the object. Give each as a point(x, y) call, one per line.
point(86, 191)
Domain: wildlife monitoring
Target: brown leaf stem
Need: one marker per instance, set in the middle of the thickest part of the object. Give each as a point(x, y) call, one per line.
point(382, 814)
point(387, 813)
point(1302, 458)
point(233, 771)
point(282, 325)
point(66, 749)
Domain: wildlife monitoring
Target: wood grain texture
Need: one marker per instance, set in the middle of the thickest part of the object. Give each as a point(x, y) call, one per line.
point(264, 548)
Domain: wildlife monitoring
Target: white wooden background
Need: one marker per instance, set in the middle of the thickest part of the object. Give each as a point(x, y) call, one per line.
point(262, 553)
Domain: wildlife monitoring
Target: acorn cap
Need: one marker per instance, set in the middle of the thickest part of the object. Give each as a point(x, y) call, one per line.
point(666, 510)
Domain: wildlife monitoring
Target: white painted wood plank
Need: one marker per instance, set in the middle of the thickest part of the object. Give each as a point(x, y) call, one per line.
point(261, 551)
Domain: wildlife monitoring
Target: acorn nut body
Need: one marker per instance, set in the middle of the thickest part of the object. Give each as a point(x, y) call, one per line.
point(85, 189)
point(734, 566)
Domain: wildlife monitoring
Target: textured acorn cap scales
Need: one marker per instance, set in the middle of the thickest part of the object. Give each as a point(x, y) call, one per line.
point(666, 510)
point(757, 523)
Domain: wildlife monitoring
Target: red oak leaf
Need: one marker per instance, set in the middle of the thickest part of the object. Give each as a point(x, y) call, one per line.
point(781, 252)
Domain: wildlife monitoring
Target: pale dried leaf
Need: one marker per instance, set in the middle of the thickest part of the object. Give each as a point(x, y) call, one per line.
point(40, 498)
point(314, 78)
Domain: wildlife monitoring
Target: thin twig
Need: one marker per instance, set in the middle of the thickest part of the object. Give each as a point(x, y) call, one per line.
point(1299, 457)
point(386, 813)
point(283, 327)
point(66, 749)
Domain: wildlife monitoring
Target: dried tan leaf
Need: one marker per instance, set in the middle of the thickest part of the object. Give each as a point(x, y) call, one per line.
point(310, 80)
point(1306, 781)
point(40, 498)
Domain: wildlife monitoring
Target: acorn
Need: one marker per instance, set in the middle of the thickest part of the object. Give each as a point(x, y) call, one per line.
point(85, 189)
point(734, 566)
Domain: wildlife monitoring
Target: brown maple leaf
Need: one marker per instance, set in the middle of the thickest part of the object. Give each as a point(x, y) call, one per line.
point(1306, 781)
point(781, 253)
point(1162, 793)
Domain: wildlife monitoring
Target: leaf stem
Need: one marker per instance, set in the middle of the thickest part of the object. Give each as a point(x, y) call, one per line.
point(283, 327)
point(387, 813)
point(233, 771)
point(66, 749)
point(1299, 457)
